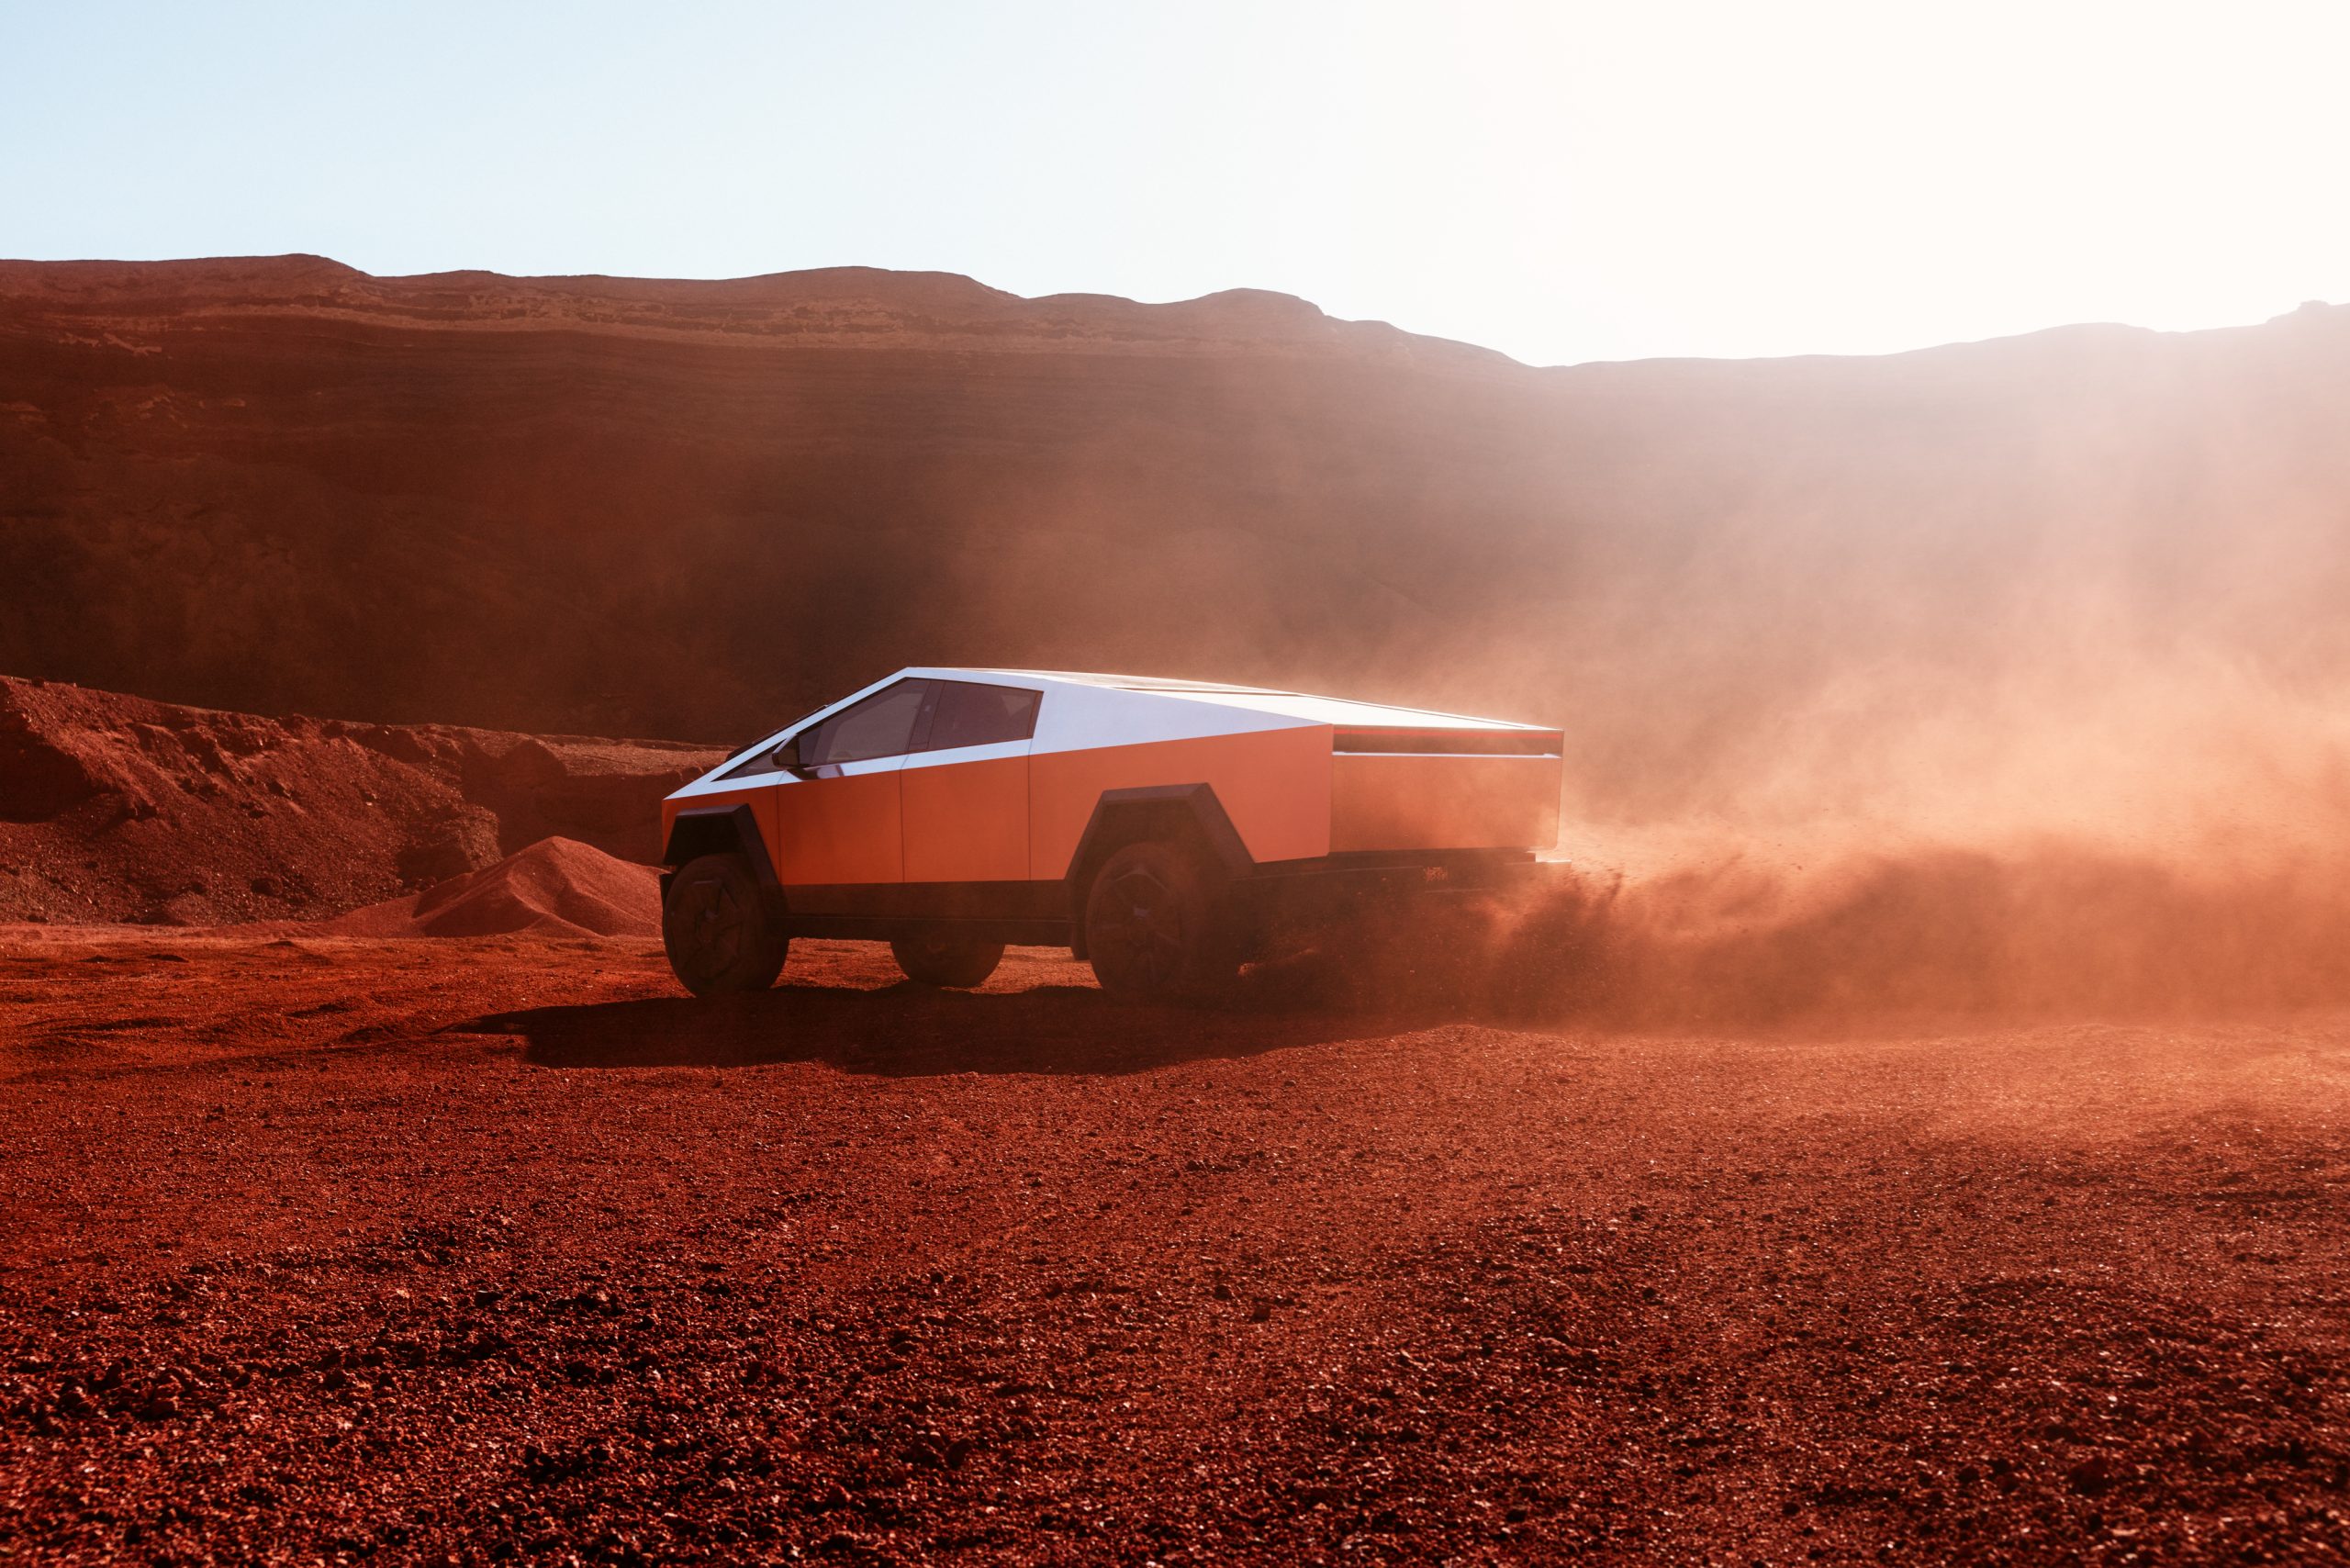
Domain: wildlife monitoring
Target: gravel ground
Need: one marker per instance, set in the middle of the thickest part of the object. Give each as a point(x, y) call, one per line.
point(500, 1250)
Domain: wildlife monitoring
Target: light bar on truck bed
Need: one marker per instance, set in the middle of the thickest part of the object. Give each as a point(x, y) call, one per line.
point(1448, 742)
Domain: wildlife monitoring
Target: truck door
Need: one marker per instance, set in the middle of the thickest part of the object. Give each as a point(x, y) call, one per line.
point(839, 818)
point(966, 785)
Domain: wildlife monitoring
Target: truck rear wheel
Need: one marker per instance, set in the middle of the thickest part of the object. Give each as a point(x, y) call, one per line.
point(945, 958)
point(1152, 928)
point(717, 929)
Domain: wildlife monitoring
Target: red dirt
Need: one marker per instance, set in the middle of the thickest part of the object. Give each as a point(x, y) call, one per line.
point(557, 888)
point(113, 808)
point(454, 1250)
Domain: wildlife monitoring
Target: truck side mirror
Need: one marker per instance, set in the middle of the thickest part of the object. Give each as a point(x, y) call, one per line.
point(786, 756)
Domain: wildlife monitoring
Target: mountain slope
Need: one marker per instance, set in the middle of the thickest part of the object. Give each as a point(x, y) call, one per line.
point(696, 508)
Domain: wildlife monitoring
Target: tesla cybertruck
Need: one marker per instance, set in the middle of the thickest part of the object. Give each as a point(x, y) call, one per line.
point(1166, 831)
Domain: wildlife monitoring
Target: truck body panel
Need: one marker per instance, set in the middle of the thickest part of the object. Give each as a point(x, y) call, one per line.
point(987, 783)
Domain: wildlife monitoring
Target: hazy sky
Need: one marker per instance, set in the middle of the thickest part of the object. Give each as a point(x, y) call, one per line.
point(1562, 182)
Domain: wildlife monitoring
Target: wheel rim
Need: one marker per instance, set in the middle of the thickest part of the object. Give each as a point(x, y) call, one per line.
point(1140, 922)
point(715, 923)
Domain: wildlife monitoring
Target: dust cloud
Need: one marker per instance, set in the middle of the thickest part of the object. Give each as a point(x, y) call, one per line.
point(2012, 678)
point(2081, 821)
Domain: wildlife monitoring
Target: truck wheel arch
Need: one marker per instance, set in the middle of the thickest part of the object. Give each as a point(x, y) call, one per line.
point(1186, 815)
point(719, 829)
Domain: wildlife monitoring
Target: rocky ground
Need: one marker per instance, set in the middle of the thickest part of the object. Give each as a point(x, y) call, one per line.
point(501, 1249)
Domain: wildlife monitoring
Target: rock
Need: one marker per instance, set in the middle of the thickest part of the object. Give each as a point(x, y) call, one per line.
point(2093, 1477)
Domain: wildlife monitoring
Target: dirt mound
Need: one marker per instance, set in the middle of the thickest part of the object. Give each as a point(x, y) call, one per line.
point(113, 808)
point(558, 887)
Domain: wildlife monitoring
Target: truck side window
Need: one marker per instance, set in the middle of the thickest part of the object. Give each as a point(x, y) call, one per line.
point(971, 714)
point(881, 725)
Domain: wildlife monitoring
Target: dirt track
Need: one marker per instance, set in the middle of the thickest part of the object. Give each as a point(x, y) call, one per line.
point(463, 1251)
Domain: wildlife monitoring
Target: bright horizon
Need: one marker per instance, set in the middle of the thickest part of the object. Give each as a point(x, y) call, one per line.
point(1562, 182)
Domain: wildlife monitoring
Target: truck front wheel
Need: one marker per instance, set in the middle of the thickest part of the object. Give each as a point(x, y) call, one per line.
point(717, 929)
point(1152, 928)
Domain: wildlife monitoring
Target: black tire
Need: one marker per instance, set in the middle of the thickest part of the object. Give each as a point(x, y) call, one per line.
point(946, 958)
point(717, 929)
point(1153, 929)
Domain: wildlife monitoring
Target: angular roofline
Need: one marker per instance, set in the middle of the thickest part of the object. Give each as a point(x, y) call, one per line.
point(1207, 690)
point(1097, 677)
